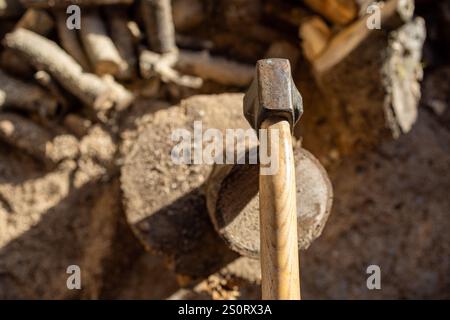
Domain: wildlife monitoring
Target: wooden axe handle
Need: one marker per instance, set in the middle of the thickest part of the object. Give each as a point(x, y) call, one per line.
point(278, 218)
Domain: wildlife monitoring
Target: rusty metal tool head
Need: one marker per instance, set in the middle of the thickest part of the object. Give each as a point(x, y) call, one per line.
point(272, 93)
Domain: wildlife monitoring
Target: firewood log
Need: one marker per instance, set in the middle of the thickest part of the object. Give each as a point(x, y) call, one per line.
point(65, 3)
point(187, 14)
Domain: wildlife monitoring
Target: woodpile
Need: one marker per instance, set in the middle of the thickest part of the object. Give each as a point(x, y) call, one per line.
point(168, 41)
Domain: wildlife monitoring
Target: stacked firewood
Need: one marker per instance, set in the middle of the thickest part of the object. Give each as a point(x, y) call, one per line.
point(366, 78)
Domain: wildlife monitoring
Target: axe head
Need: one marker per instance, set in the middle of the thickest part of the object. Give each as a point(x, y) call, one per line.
point(272, 93)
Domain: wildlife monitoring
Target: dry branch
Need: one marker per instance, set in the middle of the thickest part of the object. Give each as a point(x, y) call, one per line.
point(76, 124)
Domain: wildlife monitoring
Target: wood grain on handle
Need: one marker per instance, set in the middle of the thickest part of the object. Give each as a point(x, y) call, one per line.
point(279, 247)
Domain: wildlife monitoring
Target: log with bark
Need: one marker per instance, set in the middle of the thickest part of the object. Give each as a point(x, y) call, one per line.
point(233, 202)
point(16, 94)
